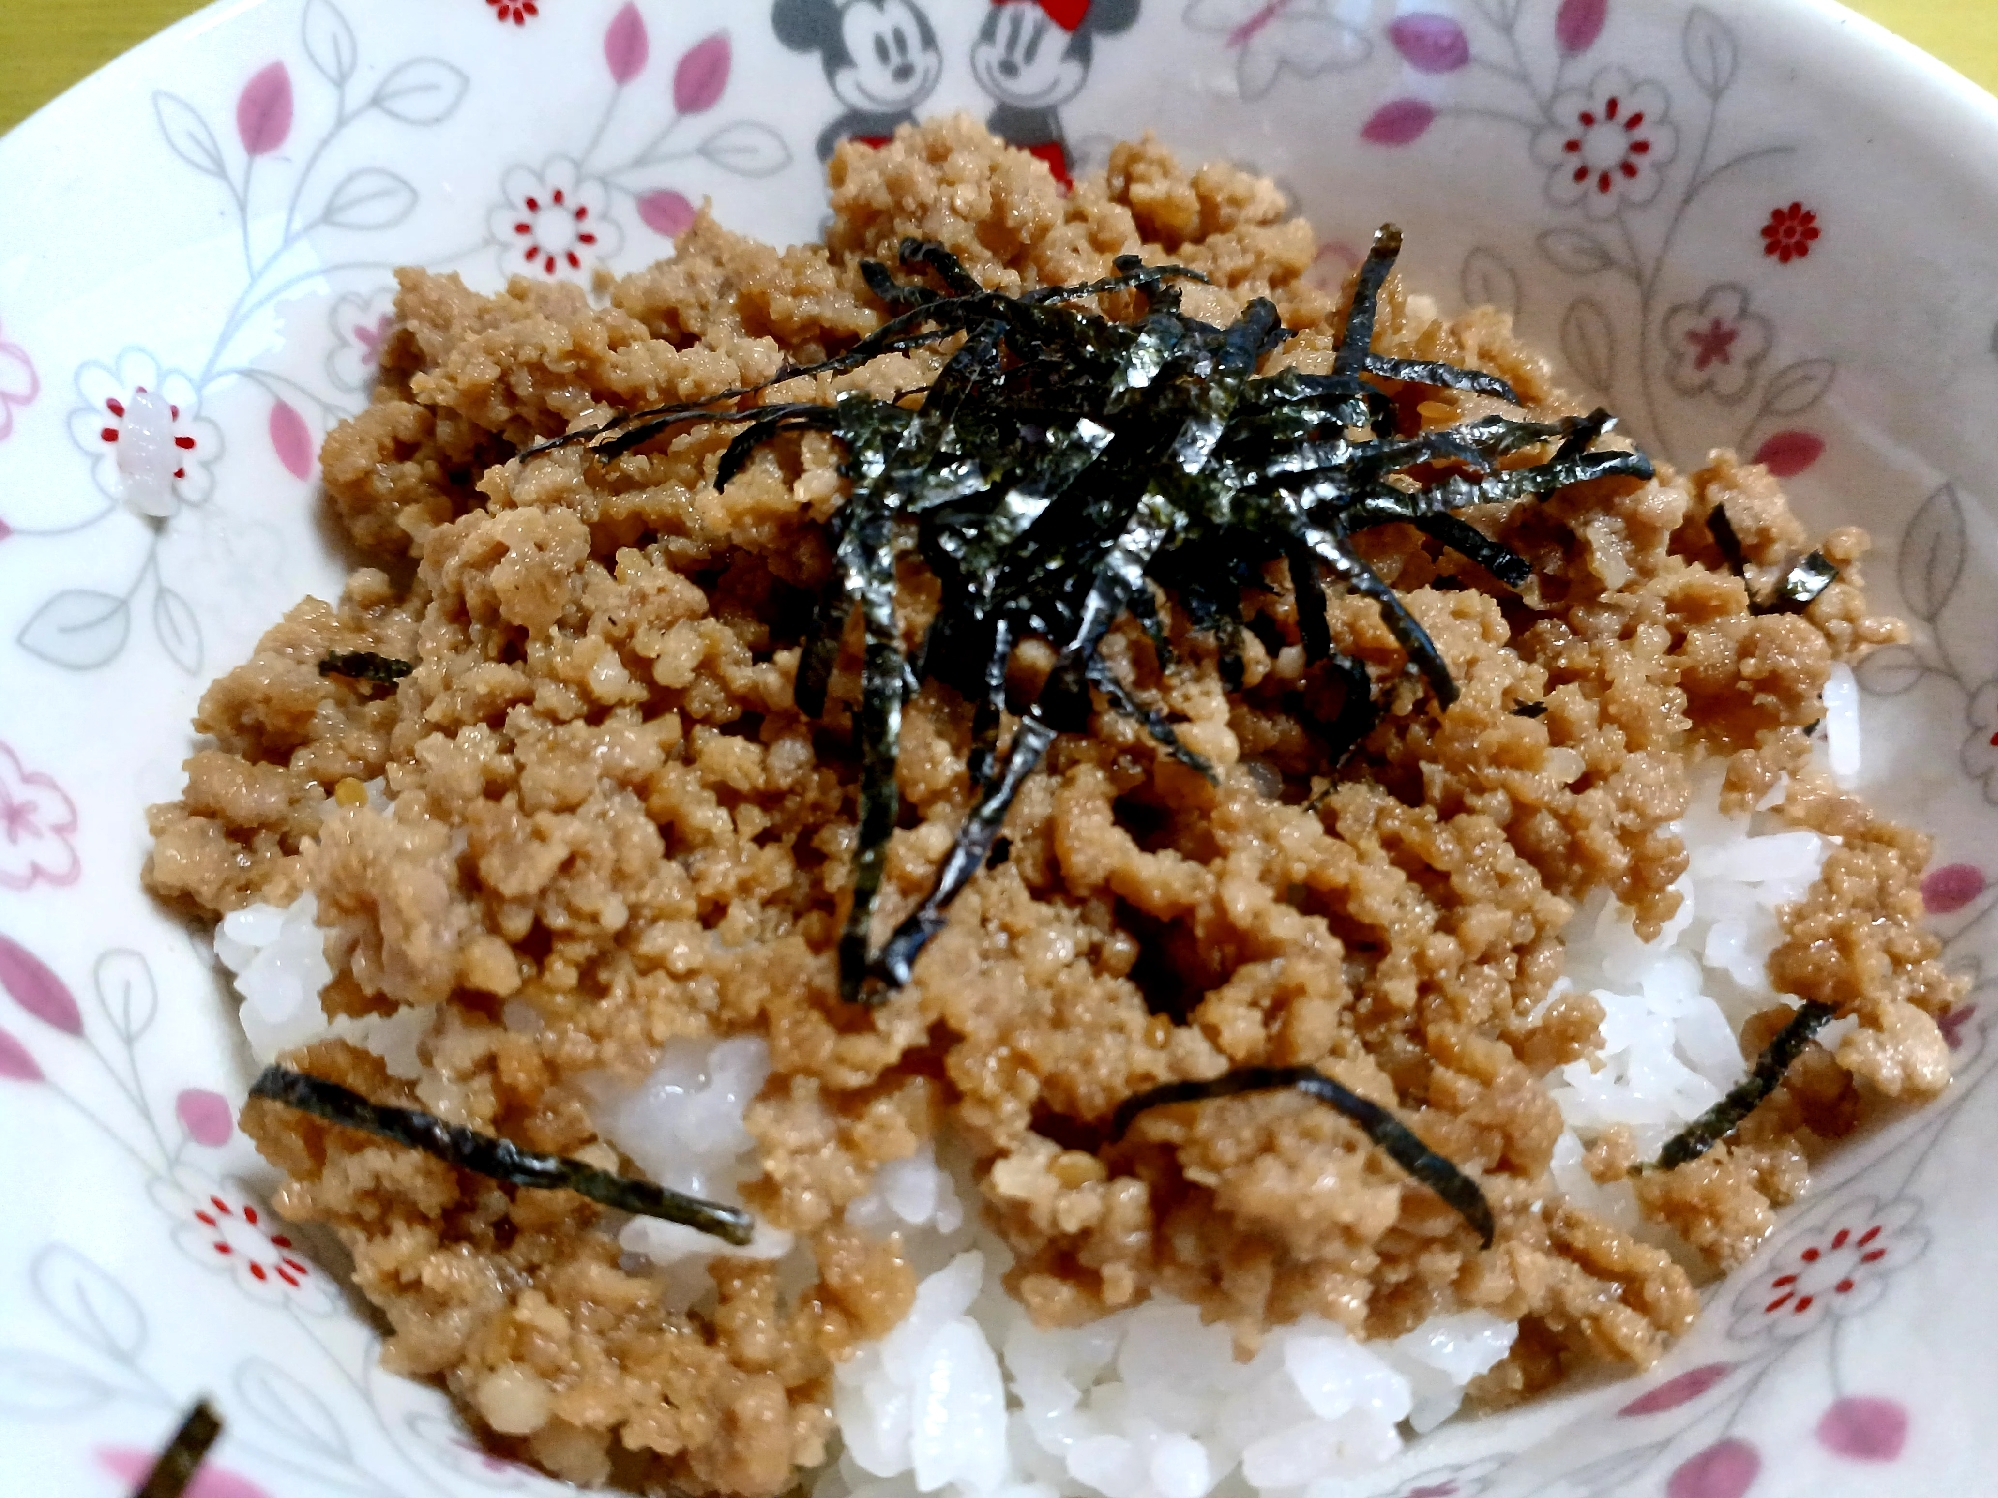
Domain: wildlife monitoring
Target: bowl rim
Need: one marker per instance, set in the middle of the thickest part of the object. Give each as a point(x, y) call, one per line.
point(1942, 85)
point(1937, 83)
point(1939, 117)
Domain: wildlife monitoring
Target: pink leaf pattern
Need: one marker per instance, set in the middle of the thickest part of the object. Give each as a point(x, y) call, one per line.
point(1725, 1469)
point(205, 1115)
point(626, 46)
point(1398, 122)
point(1578, 23)
point(263, 110)
point(1865, 1429)
point(15, 1063)
point(1430, 43)
point(701, 74)
point(291, 440)
point(1674, 1392)
point(129, 1464)
point(1787, 454)
point(1951, 887)
point(666, 212)
point(30, 984)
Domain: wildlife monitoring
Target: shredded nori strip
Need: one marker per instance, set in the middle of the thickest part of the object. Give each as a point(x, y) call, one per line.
point(1060, 467)
point(1802, 584)
point(1722, 530)
point(1806, 579)
point(1358, 713)
point(1530, 710)
point(499, 1159)
point(1439, 1173)
point(364, 665)
point(174, 1470)
point(1704, 1132)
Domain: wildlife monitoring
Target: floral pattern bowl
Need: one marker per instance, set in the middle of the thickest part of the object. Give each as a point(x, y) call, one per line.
point(1765, 225)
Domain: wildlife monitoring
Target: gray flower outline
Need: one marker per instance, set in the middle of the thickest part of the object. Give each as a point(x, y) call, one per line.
point(1716, 345)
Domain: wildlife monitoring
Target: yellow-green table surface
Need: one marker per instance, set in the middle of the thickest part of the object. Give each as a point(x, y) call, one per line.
point(46, 45)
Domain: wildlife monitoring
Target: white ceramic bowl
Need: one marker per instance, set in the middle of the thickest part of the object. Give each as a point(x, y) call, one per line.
point(1791, 251)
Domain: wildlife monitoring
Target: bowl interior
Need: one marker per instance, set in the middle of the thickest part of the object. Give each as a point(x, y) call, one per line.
point(1764, 227)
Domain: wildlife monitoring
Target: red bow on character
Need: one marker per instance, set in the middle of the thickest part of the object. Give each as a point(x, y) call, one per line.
point(1067, 14)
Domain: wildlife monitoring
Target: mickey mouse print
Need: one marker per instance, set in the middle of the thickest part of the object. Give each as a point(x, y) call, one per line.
point(1032, 57)
point(880, 58)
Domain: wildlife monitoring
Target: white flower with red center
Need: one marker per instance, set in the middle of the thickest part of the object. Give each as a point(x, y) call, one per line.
point(1838, 1268)
point(554, 222)
point(222, 1227)
point(1608, 145)
point(188, 441)
point(361, 322)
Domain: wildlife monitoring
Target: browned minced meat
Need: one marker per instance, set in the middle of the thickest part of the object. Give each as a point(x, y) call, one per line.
point(607, 808)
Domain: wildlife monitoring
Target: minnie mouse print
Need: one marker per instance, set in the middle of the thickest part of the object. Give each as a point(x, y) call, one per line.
point(880, 58)
point(1032, 56)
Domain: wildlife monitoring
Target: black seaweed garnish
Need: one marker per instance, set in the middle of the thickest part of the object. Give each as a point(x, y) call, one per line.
point(1530, 710)
point(1802, 584)
point(364, 665)
point(174, 1470)
point(1395, 1138)
point(1060, 466)
point(1704, 1132)
point(499, 1159)
point(1729, 544)
point(1806, 579)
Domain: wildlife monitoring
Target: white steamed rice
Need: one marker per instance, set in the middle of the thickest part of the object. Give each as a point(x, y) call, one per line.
point(147, 456)
point(966, 1396)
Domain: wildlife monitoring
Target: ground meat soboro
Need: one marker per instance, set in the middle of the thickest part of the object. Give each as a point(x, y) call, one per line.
point(609, 815)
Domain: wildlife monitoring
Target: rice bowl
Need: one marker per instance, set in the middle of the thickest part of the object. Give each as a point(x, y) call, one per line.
point(626, 747)
point(1652, 1003)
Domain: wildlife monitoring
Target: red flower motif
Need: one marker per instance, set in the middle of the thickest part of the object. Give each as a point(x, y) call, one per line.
point(516, 11)
point(259, 1261)
point(1789, 233)
point(97, 426)
point(223, 1229)
point(361, 323)
point(554, 221)
point(1711, 343)
point(1606, 147)
point(1837, 1269)
point(1716, 344)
